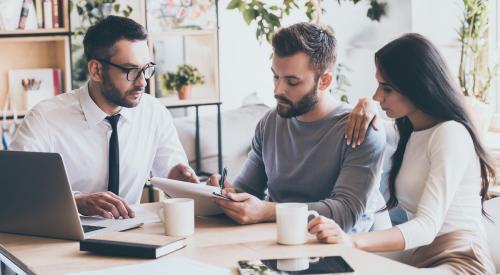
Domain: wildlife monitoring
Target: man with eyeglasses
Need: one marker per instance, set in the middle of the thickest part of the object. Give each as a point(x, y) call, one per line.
point(110, 134)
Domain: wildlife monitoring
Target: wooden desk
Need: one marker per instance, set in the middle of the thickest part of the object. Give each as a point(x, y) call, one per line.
point(217, 241)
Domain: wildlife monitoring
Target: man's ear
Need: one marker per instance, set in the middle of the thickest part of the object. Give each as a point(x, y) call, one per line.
point(325, 80)
point(95, 69)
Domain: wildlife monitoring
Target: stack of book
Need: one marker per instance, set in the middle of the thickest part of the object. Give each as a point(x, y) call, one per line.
point(30, 14)
point(132, 244)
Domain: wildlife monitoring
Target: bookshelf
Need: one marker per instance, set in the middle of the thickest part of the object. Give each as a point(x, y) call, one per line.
point(36, 48)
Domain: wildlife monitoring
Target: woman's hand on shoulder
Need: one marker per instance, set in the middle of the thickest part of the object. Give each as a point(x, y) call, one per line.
point(361, 117)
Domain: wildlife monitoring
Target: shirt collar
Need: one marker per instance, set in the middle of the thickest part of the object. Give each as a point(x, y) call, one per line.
point(93, 114)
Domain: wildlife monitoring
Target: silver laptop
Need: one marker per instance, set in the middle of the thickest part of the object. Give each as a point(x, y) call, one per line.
point(36, 199)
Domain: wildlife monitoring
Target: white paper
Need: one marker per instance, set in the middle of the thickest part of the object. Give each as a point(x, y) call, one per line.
point(142, 216)
point(145, 215)
point(172, 265)
point(202, 194)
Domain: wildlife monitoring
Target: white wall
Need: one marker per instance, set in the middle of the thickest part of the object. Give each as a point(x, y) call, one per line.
point(495, 44)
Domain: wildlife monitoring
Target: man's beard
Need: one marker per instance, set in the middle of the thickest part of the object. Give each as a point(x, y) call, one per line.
point(113, 94)
point(304, 105)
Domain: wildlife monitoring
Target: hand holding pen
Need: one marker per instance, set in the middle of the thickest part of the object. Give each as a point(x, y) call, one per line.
point(222, 179)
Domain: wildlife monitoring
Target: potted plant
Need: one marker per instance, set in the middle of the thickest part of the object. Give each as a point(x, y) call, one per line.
point(182, 80)
point(475, 75)
point(167, 83)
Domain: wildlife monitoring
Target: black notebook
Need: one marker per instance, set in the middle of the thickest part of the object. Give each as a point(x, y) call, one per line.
point(132, 244)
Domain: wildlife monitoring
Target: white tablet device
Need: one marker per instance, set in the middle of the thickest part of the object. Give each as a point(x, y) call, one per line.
point(201, 193)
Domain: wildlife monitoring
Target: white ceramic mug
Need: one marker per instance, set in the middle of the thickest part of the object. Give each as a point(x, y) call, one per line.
point(291, 219)
point(177, 216)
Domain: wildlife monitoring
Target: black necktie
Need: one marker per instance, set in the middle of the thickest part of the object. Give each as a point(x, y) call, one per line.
point(114, 156)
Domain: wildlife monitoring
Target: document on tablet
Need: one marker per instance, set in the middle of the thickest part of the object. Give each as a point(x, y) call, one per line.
point(200, 193)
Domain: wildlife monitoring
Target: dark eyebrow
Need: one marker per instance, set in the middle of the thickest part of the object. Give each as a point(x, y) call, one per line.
point(287, 76)
point(386, 84)
point(130, 65)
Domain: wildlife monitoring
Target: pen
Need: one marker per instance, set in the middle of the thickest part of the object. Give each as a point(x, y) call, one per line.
point(222, 179)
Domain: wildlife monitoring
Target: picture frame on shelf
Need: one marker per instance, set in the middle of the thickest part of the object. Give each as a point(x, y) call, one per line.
point(28, 87)
point(170, 15)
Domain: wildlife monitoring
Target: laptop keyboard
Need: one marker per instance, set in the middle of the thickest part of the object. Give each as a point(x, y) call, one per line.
point(90, 228)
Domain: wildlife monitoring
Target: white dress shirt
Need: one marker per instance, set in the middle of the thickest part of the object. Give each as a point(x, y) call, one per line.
point(72, 125)
point(439, 183)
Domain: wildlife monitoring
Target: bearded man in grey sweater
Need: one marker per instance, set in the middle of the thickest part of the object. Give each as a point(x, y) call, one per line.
point(299, 152)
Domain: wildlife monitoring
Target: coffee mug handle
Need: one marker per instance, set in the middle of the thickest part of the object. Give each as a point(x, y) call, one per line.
point(312, 213)
point(160, 211)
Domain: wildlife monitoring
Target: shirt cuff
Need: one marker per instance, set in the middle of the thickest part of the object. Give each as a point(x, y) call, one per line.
point(320, 207)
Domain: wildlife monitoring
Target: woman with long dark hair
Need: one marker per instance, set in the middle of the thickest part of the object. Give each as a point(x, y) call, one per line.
point(440, 171)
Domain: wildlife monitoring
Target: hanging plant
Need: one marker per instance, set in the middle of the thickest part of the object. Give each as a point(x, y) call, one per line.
point(91, 11)
point(268, 17)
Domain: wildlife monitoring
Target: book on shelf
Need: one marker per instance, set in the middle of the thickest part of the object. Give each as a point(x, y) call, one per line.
point(39, 13)
point(18, 14)
point(30, 86)
point(47, 14)
point(132, 244)
point(25, 10)
point(55, 14)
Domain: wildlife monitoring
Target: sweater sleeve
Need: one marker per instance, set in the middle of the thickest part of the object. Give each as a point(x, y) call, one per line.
point(450, 151)
point(357, 179)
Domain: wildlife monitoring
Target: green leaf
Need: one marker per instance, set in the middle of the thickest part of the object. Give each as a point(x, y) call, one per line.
point(79, 10)
point(89, 7)
point(243, 7)
point(233, 4)
point(249, 15)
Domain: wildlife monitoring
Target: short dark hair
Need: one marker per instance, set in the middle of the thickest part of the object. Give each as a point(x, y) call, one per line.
point(317, 41)
point(101, 37)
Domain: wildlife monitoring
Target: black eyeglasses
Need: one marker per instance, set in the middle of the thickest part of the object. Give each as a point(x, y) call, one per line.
point(133, 73)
